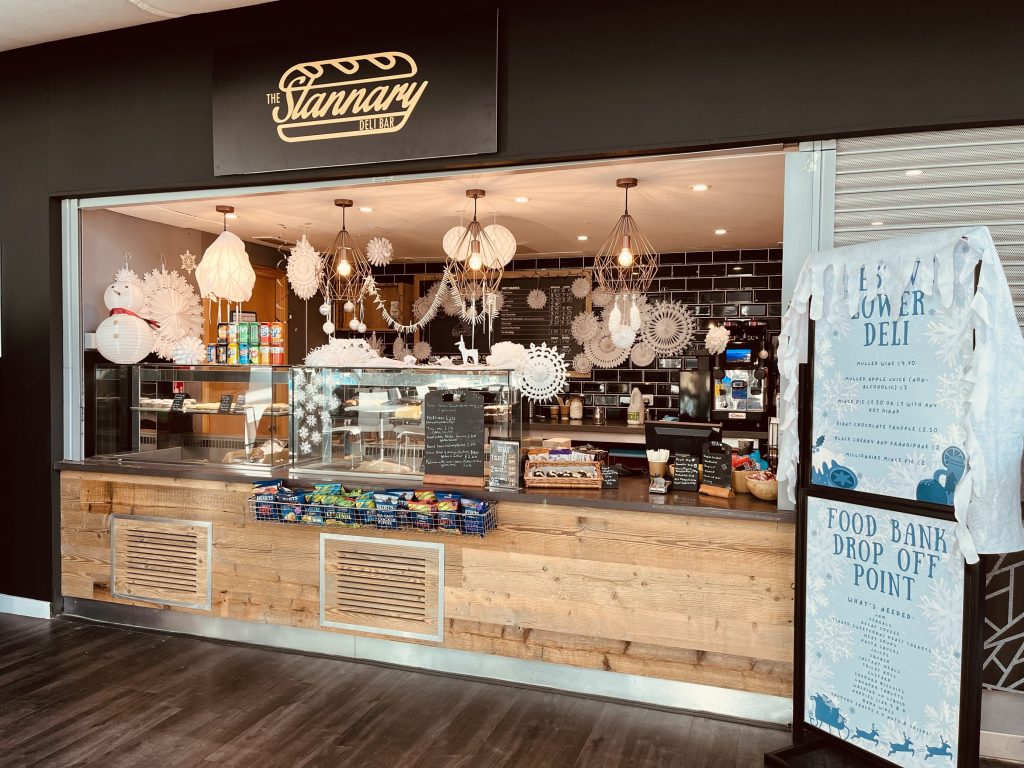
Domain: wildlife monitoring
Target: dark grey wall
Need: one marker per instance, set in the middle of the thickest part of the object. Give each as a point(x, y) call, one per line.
point(131, 111)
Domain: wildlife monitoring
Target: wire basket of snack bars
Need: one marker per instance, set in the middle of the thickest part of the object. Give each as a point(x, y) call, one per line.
point(332, 505)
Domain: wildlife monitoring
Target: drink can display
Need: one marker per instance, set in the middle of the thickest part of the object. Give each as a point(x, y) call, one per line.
point(277, 355)
point(254, 354)
point(222, 333)
point(243, 333)
point(232, 354)
point(222, 353)
point(265, 334)
point(277, 333)
point(254, 334)
point(243, 354)
point(232, 333)
point(211, 353)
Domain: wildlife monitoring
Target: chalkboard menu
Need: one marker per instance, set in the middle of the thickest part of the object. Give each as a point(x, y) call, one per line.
point(717, 460)
point(504, 472)
point(687, 473)
point(517, 322)
point(454, 437)
point(609, 478)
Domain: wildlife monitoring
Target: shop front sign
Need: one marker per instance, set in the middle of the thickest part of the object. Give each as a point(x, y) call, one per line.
point(358, 98)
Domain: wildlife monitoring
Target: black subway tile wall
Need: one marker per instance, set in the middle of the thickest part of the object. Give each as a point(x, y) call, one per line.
point(716, 285)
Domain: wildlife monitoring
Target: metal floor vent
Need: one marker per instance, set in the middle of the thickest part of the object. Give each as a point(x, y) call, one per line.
point(159, 560)
point(382, 586)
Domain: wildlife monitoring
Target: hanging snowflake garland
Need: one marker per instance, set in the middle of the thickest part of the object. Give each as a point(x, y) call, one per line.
point(189, 351)
point(452, 302)
point(172, 303)
point(582, 364)
point(304, 268)
point(536, 299)
point(380, 252)
point(716, 339)
point(544, 373)
point(188, 261)
point(585, 326)
point(669, 328)
point(580, 287)
point(642, 355)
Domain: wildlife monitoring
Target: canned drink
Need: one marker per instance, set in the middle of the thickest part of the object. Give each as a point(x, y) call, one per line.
point(254, 354)
point(254, 334)
point(222, 333)
point(264, 334)
point(277, 333)
point(243, 333)
point(211, 353)
point(232, 354)
point(243, 354)
point(277, 355)
point(232, 333)
point(222, 354)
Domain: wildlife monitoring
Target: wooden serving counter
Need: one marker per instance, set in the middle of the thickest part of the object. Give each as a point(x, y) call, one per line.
point(676, 588)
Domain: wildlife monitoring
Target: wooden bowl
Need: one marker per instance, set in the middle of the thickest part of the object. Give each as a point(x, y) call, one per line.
point(739, 480)
point(766, 490)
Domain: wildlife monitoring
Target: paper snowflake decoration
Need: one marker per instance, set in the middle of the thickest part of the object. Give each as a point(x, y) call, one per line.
point(188, 261)
point(421, 306)
point(580, 287)
point(304, 268)
point(623, 337)
point(543, 374)
point(398, 349)
point(175, 307)
point(602, 350)
point(376, 343)
point(536, 299)
point(716, 339)
point(600, 297)
point(642, 355)
point(379, 252)
point(189, 351)
point(452, 302)
point(421, 350)
point(585, 326)
point(669, 328)
point(582, 364)
point(303, 432)
point(493, 303)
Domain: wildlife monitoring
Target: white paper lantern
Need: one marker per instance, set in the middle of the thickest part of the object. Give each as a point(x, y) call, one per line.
point(325, 309)
point(353, 324)
point(361, 328)
point(500, 246)
point(225, 271)
point(128, 295)
point(124, 339)
point(328, 327)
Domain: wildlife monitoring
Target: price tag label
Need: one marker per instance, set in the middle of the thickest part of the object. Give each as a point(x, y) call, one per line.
point(240, 402)
point(178, 402)
point(609, 478)
point(687, 473)
point(225, 404)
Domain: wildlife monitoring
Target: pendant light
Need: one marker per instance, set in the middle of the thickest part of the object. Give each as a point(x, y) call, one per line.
point(225, 271)
point(477, 257)
point(625, 265)
point(345, 267)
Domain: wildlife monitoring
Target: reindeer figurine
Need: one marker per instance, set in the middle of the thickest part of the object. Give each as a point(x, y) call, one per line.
point(906, 746)
point(943, 751)
point(468, 354)
point(871, 735)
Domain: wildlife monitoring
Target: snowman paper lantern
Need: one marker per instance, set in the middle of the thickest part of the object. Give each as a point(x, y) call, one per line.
point(124, 337)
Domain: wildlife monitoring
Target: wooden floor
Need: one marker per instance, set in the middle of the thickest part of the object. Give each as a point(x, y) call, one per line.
point(79, 694)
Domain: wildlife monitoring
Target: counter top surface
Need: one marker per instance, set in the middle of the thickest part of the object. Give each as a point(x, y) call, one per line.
point(631, 495)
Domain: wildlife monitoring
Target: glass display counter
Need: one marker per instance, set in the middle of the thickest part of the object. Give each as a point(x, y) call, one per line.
point(371, 420)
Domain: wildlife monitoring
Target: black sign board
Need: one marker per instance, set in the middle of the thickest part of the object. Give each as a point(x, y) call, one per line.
point(717, 460)
point(225, 404)
point(504, 470)
point(454, 439)
point(178, 402)
point(517, 321)
point(240, 401)
point(687, 472)
point(372, 94)
point(609, 478)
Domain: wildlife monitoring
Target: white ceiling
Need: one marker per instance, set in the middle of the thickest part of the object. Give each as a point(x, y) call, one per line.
point(28, 22)
point(745, 198)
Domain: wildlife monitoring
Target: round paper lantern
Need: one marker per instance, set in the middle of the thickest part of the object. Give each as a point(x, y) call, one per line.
point(500, 248)
point(128, 295)
point(451, 240)
point(124, 339)
point(225, 272)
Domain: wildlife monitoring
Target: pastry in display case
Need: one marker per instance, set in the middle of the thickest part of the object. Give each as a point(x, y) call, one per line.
point(193, 414)
point(371, 421)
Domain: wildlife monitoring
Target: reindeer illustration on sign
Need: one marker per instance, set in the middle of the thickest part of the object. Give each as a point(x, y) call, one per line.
point(943, 751)
point(871, 735)
point(906, 746)
point(468, 354)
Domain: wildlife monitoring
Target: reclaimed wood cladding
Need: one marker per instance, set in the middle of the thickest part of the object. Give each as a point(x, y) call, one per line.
point(697, 599)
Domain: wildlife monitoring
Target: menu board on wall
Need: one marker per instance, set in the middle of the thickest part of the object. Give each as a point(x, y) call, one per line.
point(453, 437)
point(518, 322)
point(889, 391)
point(884, 605)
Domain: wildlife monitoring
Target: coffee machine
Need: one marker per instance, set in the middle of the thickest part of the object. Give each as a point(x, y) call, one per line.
point(742, 378)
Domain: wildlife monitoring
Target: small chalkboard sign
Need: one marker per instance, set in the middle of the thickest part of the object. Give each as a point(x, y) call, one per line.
point(240, 402)
point(225, 404)
point(717, 460)
point(453, 450)
point(504, 471)
point(178, 403)
point(609, 478)
point(687, 473)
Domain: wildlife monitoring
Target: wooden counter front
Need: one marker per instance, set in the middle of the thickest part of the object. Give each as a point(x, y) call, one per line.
point(699, 599)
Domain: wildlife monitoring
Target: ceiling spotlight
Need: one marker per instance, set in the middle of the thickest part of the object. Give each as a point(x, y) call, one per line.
point(366, 209)
point(700, 187)
point(231, 215)
point(522, 199)
point(877, 223)
point(582, 238)
point(914, 172)
point(721, 231)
